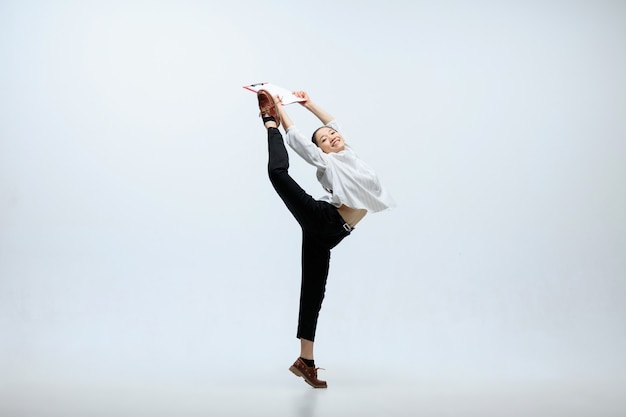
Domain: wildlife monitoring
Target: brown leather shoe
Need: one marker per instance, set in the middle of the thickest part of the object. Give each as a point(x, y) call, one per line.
point(309, 374)
point(267, 106)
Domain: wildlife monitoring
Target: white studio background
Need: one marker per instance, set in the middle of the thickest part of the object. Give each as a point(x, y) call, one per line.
point(140, 239)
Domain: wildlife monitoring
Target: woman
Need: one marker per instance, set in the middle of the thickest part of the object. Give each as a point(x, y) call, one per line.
point(352, 189)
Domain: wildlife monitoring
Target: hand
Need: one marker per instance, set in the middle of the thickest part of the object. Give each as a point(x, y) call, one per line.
point(279, 104)
point(304, 95)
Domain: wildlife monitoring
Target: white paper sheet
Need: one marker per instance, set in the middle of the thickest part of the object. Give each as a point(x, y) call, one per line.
point(286, 95)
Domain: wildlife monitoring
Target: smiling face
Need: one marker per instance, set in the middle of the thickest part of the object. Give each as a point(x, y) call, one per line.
point(329, 140)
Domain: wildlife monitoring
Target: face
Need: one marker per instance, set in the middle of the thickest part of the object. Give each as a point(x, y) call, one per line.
point(329, 140)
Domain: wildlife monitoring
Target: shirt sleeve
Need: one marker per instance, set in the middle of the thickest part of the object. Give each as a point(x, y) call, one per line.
point(305, 148)
point(334, 125)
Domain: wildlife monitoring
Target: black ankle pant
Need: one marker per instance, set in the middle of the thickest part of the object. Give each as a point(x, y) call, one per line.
point(322, 229)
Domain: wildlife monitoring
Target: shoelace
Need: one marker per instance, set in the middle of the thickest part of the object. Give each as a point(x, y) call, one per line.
point(315, 370)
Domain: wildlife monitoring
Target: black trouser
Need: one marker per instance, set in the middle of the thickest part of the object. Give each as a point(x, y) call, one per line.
point(322, 229)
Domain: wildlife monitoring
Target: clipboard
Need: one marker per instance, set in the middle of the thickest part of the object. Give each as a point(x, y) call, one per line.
point(286, 96)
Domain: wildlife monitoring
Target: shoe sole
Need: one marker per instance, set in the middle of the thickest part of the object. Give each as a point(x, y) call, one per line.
point(272, 108)
point(297, 372)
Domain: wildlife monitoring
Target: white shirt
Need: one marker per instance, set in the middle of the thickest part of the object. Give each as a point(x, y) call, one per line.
point(347, 179)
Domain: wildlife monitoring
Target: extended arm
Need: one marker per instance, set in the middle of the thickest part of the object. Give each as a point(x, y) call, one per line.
point(286, 120)
point(308, 104)
point(298, 142)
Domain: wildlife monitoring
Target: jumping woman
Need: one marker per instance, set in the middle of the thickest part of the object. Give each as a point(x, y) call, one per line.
point(352, 190)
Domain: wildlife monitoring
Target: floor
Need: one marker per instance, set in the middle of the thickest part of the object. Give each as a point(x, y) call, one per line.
point(288, 396)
